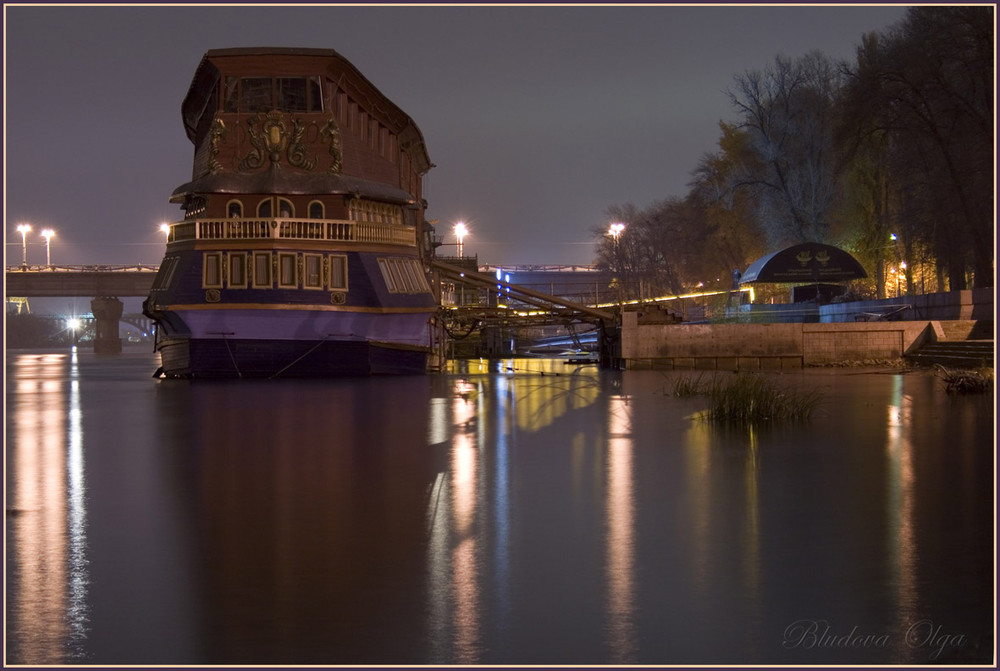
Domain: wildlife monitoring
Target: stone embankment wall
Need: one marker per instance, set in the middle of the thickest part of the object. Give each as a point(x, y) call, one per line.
point(949, 305)
point(766, 346)
point(836, 333)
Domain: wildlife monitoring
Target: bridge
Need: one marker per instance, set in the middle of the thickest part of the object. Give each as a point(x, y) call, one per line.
point(79, 281)
point(105, 284)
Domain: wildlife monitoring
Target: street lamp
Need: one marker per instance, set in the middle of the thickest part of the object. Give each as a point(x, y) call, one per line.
point(460, 232)
point(165, 229)
point(74, 324)
point(23, 230)
point(615, 229)
point(47, 233)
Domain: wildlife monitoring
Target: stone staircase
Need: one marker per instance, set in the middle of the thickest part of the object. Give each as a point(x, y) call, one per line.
point(965, 345)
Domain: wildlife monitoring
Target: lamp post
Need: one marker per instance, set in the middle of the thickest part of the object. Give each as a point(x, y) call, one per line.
point(23, 230)
point(47, 233)
point(615, 230)
point(460, 232)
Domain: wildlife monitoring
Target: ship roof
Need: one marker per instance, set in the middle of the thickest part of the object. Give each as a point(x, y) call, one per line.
point(281, 181)
point(207, 75)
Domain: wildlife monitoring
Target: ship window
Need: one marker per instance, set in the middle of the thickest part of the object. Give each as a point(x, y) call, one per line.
point(255, 94)
point(403, 276)
point(234, 209)
point(285, 208)
point(262, 94)
point(264, 209)
point(316, 210)
point(315, 94)
point(262, 270)
point(238, 270)
point(286, 271)
point(338, 272)
point(165, 273)
point(231, 94)
point(292, 95)
point(212, 271)
point(313, 276)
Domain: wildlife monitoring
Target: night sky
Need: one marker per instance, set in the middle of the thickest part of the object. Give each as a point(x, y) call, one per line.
point(536, 118)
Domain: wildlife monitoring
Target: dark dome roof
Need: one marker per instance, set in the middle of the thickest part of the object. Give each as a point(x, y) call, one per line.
point(806, 262)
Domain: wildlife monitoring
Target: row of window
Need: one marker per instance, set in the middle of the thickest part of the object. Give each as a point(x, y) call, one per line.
point(360, 210)
point(263, 94)
point(290, 270)
point(261, 270)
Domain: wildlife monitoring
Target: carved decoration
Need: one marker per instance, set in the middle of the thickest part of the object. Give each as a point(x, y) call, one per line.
point(331, 135)
point(296, 151)
point(218, 135)
point(271, 139)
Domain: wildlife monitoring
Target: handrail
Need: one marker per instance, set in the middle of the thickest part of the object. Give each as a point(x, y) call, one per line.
point(333, 230)
point(99, 268)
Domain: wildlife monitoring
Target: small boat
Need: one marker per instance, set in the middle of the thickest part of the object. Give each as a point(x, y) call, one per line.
point(303, 249)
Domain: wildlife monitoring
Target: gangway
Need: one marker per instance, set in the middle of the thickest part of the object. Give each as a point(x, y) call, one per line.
point(547, 309)
point(553, 304)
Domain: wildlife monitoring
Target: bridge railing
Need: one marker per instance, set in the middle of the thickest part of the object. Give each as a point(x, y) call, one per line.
point(334, 230)
point(99, 268)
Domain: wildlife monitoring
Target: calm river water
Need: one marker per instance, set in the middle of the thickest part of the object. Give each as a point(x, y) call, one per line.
point(515, 512)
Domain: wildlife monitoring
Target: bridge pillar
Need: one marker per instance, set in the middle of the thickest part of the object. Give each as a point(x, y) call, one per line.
point(107, 311)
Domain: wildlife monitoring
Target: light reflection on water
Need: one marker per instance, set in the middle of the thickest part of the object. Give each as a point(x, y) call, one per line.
point(46, 511)
point(508, 512)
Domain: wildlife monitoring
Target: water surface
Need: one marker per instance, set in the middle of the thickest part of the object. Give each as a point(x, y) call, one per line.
point(514, 512)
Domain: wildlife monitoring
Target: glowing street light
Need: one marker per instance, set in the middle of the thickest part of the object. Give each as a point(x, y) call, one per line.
point(74, 324)
point(165, 229)
point(460, 232)
point(47, 233)
point(23, 230)
point(616, 229)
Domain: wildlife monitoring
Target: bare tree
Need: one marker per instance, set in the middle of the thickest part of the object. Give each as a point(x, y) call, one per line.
point(787, 112)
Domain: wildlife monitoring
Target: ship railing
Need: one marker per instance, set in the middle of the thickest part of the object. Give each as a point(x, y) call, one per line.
point(333, 230)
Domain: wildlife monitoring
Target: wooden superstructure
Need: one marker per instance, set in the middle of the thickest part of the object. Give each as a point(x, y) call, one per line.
point(303, 237)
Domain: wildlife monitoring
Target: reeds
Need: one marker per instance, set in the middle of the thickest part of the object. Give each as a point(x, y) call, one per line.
point(977, 381)
point(749, 399)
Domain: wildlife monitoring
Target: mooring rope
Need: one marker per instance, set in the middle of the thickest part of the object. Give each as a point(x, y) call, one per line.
point(304, 355)
point(231, 357)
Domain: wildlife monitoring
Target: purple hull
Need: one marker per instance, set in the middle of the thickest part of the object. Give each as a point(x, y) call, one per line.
point(236, 358)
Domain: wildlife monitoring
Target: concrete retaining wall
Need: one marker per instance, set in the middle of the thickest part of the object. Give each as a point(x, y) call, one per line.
point(765, 346)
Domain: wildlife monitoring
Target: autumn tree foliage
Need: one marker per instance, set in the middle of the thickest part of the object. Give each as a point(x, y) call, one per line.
point(891, 157)
point(918, 108)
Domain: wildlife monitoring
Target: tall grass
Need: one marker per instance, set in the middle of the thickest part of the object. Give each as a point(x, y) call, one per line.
point(749, 399)
point(977, 381)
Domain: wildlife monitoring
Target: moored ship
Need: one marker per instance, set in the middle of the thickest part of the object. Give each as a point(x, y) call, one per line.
point(301, 252)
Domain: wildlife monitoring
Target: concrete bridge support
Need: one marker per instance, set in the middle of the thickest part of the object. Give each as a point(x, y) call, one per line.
point(107, 311)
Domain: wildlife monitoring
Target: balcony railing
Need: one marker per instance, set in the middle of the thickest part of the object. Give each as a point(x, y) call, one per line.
point(332, 230)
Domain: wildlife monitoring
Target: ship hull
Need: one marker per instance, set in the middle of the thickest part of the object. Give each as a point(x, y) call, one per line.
point(231, 341)
point(194, 358)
